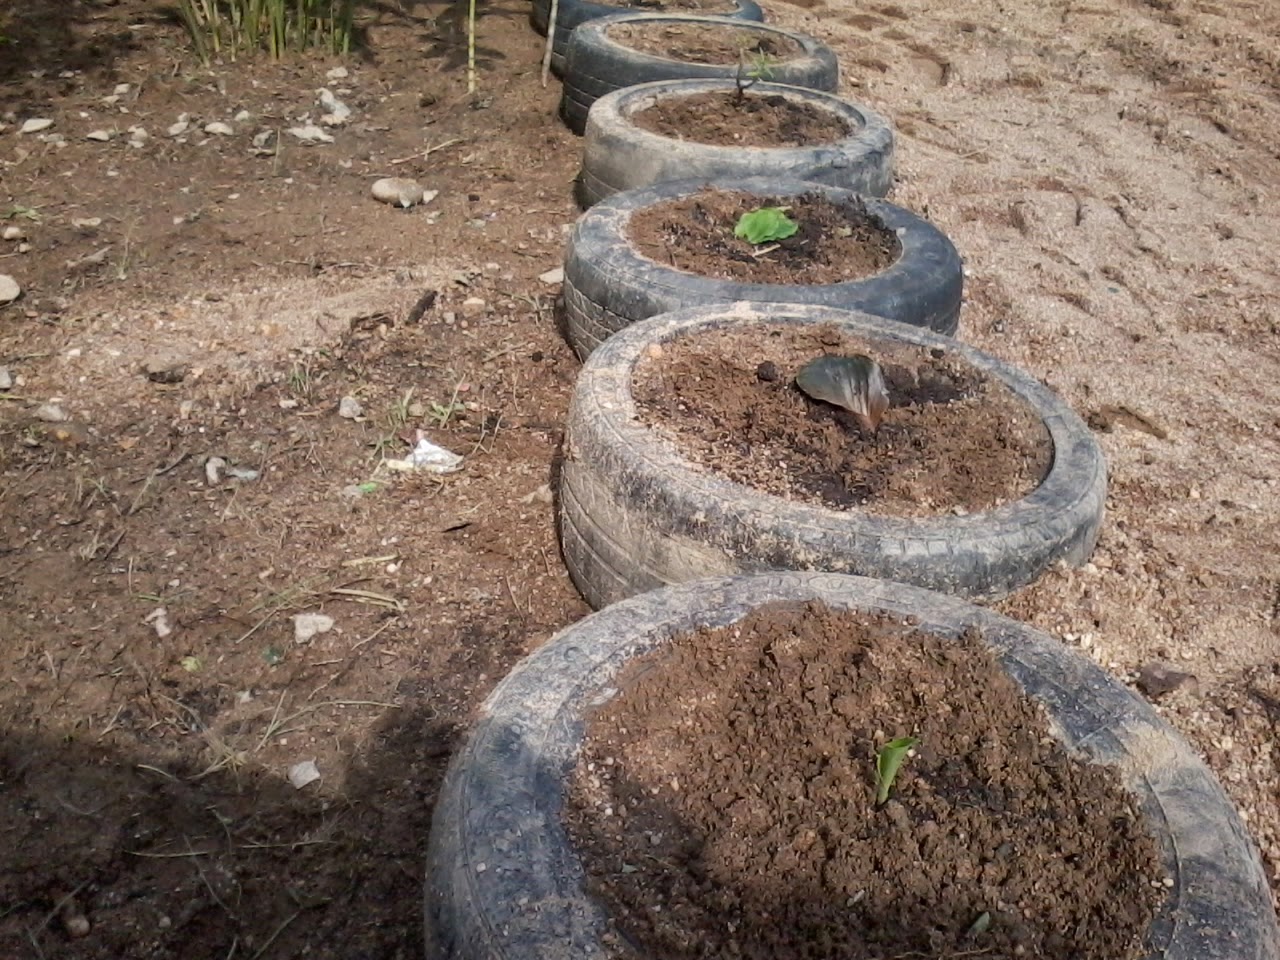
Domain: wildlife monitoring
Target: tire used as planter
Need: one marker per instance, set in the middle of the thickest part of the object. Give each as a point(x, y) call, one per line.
point(609, 283)
point(618, 154)
point(636, 515)
point(504, 881)
point(599, 61)
point(572, 13)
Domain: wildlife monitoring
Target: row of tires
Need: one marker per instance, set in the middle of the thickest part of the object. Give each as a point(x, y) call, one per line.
point(661, 548)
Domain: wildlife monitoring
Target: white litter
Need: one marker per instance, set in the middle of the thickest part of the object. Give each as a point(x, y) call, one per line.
point(429, 457)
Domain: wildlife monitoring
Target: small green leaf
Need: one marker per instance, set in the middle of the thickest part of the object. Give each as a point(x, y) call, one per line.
point(367, 487)
point(979, 926)
point(273, 655)
point(765, 225)
point(191, 664)
point(888, 760)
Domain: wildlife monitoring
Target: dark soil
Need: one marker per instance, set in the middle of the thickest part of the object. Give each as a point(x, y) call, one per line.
point(952, 440)
point(727, 119)
point(724, 804)
point(692, 42)
point(837, 240)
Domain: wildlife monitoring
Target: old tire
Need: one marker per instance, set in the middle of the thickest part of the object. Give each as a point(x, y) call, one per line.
point(597, 64)
point(619, 155)
point(609, 284)
point(503, 880)
point(571, 13)
point(634, 515)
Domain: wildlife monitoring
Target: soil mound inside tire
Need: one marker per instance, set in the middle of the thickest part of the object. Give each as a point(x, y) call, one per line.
point(703, 43)
point(724, 803)
point(953, 439)
point(837, 240)
point(727, 119)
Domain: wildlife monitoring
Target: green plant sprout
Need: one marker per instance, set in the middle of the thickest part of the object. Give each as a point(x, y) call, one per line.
point(888, 761)
point(761, 67)
point(765, 225)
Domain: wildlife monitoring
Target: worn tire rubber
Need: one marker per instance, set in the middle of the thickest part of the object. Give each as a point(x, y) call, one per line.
point(571, 13)
point(635, 515)
point(609, 284)
point(618, 155)
point(504, 883)
point(597, 64)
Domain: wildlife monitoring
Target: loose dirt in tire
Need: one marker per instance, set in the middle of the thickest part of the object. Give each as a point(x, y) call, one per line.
point(691, 42)
point(836, 240)
point(727, 119)
point(953, 439)
point(724, 804)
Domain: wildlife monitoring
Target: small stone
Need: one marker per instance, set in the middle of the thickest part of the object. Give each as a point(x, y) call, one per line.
point(243, 116)
point(13, 233)
point(159, 620)
point(399, 191)
point(213, 468)
point(337, 73)
point(179, 128)
point(310, 134)
point(162, 370)
point(309, 625)
point(51, 413)
point(473, 306)
point(76, 925)
point(300, 774)
point(9, 289)
point(102, 136)
point(6, 379)
point(768, 372)
point(1159, 679)
point(219, 129)
point(336, 112)
point(35, 125)
point(552, 276)
point(86, 223)
point(120, 90)
point(349, 408)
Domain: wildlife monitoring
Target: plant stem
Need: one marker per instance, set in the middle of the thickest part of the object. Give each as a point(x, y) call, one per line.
point(551, 40)
point(471, 46)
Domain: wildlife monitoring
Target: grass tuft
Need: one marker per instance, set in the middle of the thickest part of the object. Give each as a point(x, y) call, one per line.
point(232, 28)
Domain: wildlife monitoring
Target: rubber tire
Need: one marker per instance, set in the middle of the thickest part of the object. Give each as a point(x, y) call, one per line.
point(634, 515)
point(571, 13)
point(598, 65)
point(609, 284)
point(619, 155)
point(503, 881)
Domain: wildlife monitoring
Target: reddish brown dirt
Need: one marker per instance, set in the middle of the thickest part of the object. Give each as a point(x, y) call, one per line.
point(953, 440)
point(1109, 175)
point(751, 120)
point(725, 804)
point(836, 241)
point(699, 43)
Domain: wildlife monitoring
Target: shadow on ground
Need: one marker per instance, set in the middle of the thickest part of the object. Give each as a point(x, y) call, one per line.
point(136, 857)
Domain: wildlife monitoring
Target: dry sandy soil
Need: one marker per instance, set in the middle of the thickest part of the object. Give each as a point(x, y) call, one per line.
point(1109, 172)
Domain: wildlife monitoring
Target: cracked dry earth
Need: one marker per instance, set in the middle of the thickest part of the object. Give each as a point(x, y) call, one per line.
point(1109, 172)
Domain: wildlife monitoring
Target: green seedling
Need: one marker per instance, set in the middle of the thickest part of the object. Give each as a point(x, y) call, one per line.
point(442, 413)
point(888, 761)
point(855, 383)
point(765, 225)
